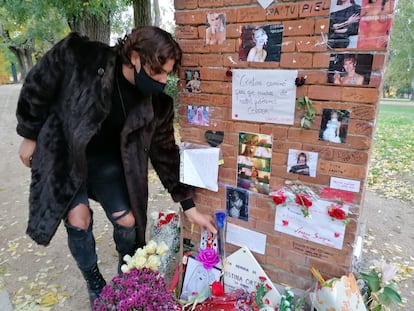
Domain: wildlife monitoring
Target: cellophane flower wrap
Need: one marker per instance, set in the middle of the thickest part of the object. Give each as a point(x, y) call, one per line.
point(164, 226)
point(299, 194)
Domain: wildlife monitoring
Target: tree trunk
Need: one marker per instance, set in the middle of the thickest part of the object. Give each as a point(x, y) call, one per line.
point(142, 12)
point(18, 53)
point(92, 26)
point(157, 17)
point(28, 58)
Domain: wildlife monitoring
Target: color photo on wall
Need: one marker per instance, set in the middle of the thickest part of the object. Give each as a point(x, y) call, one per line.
point(192, 81)
point(260, 43)
point(350, 69)
point(254, 162)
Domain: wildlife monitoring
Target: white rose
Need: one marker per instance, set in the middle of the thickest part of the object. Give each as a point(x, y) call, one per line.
point(153, 262)
point(127, 258)
point(162, 248)
point(139, 262)
point(140, 252)
point(124, 268)
point(151, 247)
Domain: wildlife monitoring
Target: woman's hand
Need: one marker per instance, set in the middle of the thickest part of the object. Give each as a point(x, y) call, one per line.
point(203, 220)
point(26, 150)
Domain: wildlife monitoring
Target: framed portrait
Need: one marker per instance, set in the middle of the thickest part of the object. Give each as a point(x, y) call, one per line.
point(197, 278)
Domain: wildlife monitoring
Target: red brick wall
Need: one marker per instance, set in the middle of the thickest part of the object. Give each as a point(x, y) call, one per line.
point(287, 259)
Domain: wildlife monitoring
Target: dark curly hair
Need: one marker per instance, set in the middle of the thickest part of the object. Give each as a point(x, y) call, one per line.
point(154, 45)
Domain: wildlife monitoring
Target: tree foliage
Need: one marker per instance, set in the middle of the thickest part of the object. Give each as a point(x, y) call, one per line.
point(400, 67)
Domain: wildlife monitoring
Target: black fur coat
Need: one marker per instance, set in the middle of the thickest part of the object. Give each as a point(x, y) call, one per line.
point(63, 102)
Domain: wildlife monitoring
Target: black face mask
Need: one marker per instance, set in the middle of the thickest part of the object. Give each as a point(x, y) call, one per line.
point(147, 85)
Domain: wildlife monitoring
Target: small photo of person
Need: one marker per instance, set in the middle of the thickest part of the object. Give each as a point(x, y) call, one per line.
point(350, 69)
point(344, 20)
point(261, 43)
point(215, 28)
point(198, 115)
point(237, 203)
point(192, 81)
point(334, 125)
point(302, 162)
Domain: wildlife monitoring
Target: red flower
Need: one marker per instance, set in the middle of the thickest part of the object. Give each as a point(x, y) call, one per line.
point(337, 213)
point(280, 198)
point(262, 278)
point(303, 200)
point(217, 288)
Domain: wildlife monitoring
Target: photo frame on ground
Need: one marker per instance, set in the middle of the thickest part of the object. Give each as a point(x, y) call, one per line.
point(197, 278)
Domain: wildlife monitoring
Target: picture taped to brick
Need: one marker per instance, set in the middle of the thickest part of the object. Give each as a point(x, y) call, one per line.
point(334, 125)
point(362, 24)
point(192, 81)
point(344, 20)
point(260, 95)
point(375, 24)
point(237, 203)
point(254, 162)
point(198, 115)
point(302, 162)
point(215, 28)
point(260, 43)
point(350, 69)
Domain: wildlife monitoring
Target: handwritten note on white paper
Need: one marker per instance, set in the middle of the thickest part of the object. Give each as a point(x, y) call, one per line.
point(345, 184)
point(264, 95)
point(320, 228)
point(240, 236)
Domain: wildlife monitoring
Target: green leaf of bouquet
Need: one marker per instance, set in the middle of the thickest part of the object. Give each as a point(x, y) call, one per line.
point(377, 308)
point(391, 294)
point(373, 280)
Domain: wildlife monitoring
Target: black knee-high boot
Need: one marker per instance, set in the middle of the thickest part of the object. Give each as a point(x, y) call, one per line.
point(82, 246)
point(125, 241)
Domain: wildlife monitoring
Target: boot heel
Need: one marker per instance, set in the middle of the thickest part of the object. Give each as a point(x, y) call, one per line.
point(95, 283)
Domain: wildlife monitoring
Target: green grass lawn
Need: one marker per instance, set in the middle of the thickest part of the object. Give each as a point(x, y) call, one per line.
point(392, 161)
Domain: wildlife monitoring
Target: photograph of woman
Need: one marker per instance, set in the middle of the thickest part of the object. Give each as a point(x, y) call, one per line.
point(350, 69)
point(334, 125)
point(237, 203)
point(344, 23)
point(261, 43)
point(215, 28)
point(302, 162)
point(258, 53)
point(193, 82)
point(375, 24)
point(301, 166)
point(350, 77)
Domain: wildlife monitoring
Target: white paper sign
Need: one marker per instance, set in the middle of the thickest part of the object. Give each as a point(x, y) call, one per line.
point(264, 95)
point(345, 184)
point(242, 271)
point(199, 166)
point(240, 236)
point(320, 228)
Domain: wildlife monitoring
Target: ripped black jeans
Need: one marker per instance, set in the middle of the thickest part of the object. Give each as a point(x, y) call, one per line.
point(105, 184)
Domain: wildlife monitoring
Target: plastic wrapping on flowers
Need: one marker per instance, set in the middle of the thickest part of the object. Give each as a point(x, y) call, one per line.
point(164, 226)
